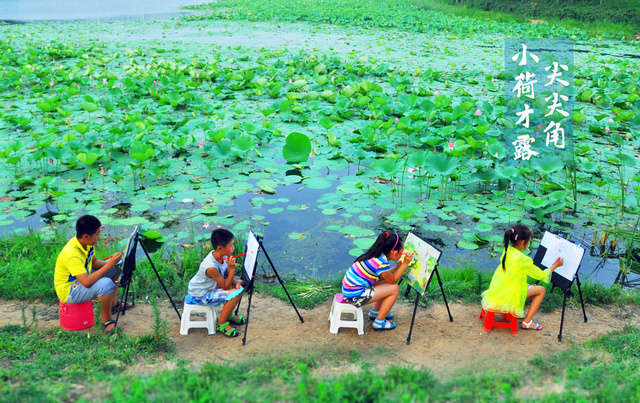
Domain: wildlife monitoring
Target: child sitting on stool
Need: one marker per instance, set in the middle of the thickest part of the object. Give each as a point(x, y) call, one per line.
point(215, 284)
point(80, 277)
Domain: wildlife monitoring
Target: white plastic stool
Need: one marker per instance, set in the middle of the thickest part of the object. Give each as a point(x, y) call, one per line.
point(209, 323)
point(335, 316)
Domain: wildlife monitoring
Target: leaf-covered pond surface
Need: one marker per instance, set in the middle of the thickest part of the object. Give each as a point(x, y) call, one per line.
point(317, 136)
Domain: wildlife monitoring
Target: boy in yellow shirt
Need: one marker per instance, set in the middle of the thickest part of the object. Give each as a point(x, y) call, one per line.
point(80, 277)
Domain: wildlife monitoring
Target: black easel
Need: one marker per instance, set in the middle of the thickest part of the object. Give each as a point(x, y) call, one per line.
point(562, 283)
point(567, 293)
point(128, 268)
point(249, 287)
point(415, 308)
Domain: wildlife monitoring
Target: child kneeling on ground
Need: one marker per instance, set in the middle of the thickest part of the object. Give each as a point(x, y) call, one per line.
point(215, 284)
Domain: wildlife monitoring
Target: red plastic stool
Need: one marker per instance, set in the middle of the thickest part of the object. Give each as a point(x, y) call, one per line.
point(489, 322)
point(76, 316)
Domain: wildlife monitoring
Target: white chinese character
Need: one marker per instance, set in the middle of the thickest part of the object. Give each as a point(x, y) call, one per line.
point(554, 136)
point(524, 56)
point(524, 115)
point(523, 147)
point(525, 88)
point(557, 104)
point(556, 74)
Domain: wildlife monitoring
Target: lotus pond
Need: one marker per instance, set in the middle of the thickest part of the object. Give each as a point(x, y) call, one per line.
point(316, 135)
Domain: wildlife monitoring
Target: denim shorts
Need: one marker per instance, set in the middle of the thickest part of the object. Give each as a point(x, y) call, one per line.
point(362, 299)
point(104, 286)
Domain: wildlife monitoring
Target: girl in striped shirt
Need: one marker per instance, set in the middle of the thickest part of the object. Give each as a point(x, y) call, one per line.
point(371, 279)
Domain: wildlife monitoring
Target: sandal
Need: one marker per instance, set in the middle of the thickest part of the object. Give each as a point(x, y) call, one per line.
point(227, 332)
point(123, 307)
point(107, 323)
point(383, 325)
point(237, 319)
point(531, 325)
point(374, 314)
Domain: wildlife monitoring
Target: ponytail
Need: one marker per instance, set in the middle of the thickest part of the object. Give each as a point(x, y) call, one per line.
point(384, 244)
point(519, 232)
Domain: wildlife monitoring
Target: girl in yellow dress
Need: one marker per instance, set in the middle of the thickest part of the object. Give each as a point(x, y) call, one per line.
point(509, 290)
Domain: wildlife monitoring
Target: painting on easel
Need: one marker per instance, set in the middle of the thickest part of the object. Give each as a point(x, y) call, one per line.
point(425, 259)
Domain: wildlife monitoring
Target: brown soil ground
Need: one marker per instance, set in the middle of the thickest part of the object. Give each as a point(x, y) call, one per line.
point(447, 348)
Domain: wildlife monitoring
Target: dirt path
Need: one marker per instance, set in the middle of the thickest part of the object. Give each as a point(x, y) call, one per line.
point(444, 347)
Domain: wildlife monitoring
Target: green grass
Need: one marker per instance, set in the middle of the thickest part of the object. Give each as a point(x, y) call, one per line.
point(44, 365)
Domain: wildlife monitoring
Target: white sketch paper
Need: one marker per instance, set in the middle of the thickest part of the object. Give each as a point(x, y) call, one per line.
point(561, 248)
point(252, 255)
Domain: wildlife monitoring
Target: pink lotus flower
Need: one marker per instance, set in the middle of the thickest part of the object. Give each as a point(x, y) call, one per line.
point(104, 81)
point(120, 85)
point(397, 118)
point(436, 92)
point(606, 129)
point(201, 144)
point(450, 144)
point(78, 86)
point(198, 75)
point(478, 112)
point(90, 76)
point(606, 65)
point(453, 71)
point(537, 132)
point(33, 68)
point(496, 155)
point(67, 121)
point(51, 83)
point(102, 171)
point(50, 160)
point(290, 81)
point(155, 82)
point(435, 150)
point(610, 119)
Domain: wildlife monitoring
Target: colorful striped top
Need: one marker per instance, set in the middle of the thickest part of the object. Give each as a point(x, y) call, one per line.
point(362, 275)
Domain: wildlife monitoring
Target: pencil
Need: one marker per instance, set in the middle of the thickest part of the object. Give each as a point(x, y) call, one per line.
point(231, 257)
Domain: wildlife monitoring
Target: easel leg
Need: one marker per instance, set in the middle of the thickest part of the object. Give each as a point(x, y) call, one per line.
point(280, 281)
point(564, 304)
point(125, 294)
point(443, 296)
point(584, 313)
point(246, 325)
point(159, 278)
point(413, 318)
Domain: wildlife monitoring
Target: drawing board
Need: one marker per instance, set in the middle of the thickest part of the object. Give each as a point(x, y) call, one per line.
point(129, 258)
point(557, 247)
point(252, 254)
point(425, 259)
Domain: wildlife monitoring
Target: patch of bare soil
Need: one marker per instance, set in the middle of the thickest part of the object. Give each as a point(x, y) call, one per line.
point(446, 348)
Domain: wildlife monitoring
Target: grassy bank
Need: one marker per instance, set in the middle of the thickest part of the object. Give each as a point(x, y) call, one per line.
point(28, 275)
point(52, 365)
point(591, 18)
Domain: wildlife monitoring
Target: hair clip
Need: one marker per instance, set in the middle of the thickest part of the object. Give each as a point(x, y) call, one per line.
point(386, 236)
point(516, 238)
point(512, 230)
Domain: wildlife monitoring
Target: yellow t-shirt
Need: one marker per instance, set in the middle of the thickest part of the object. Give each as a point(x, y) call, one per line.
point(74, 259)
point(508, 289)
